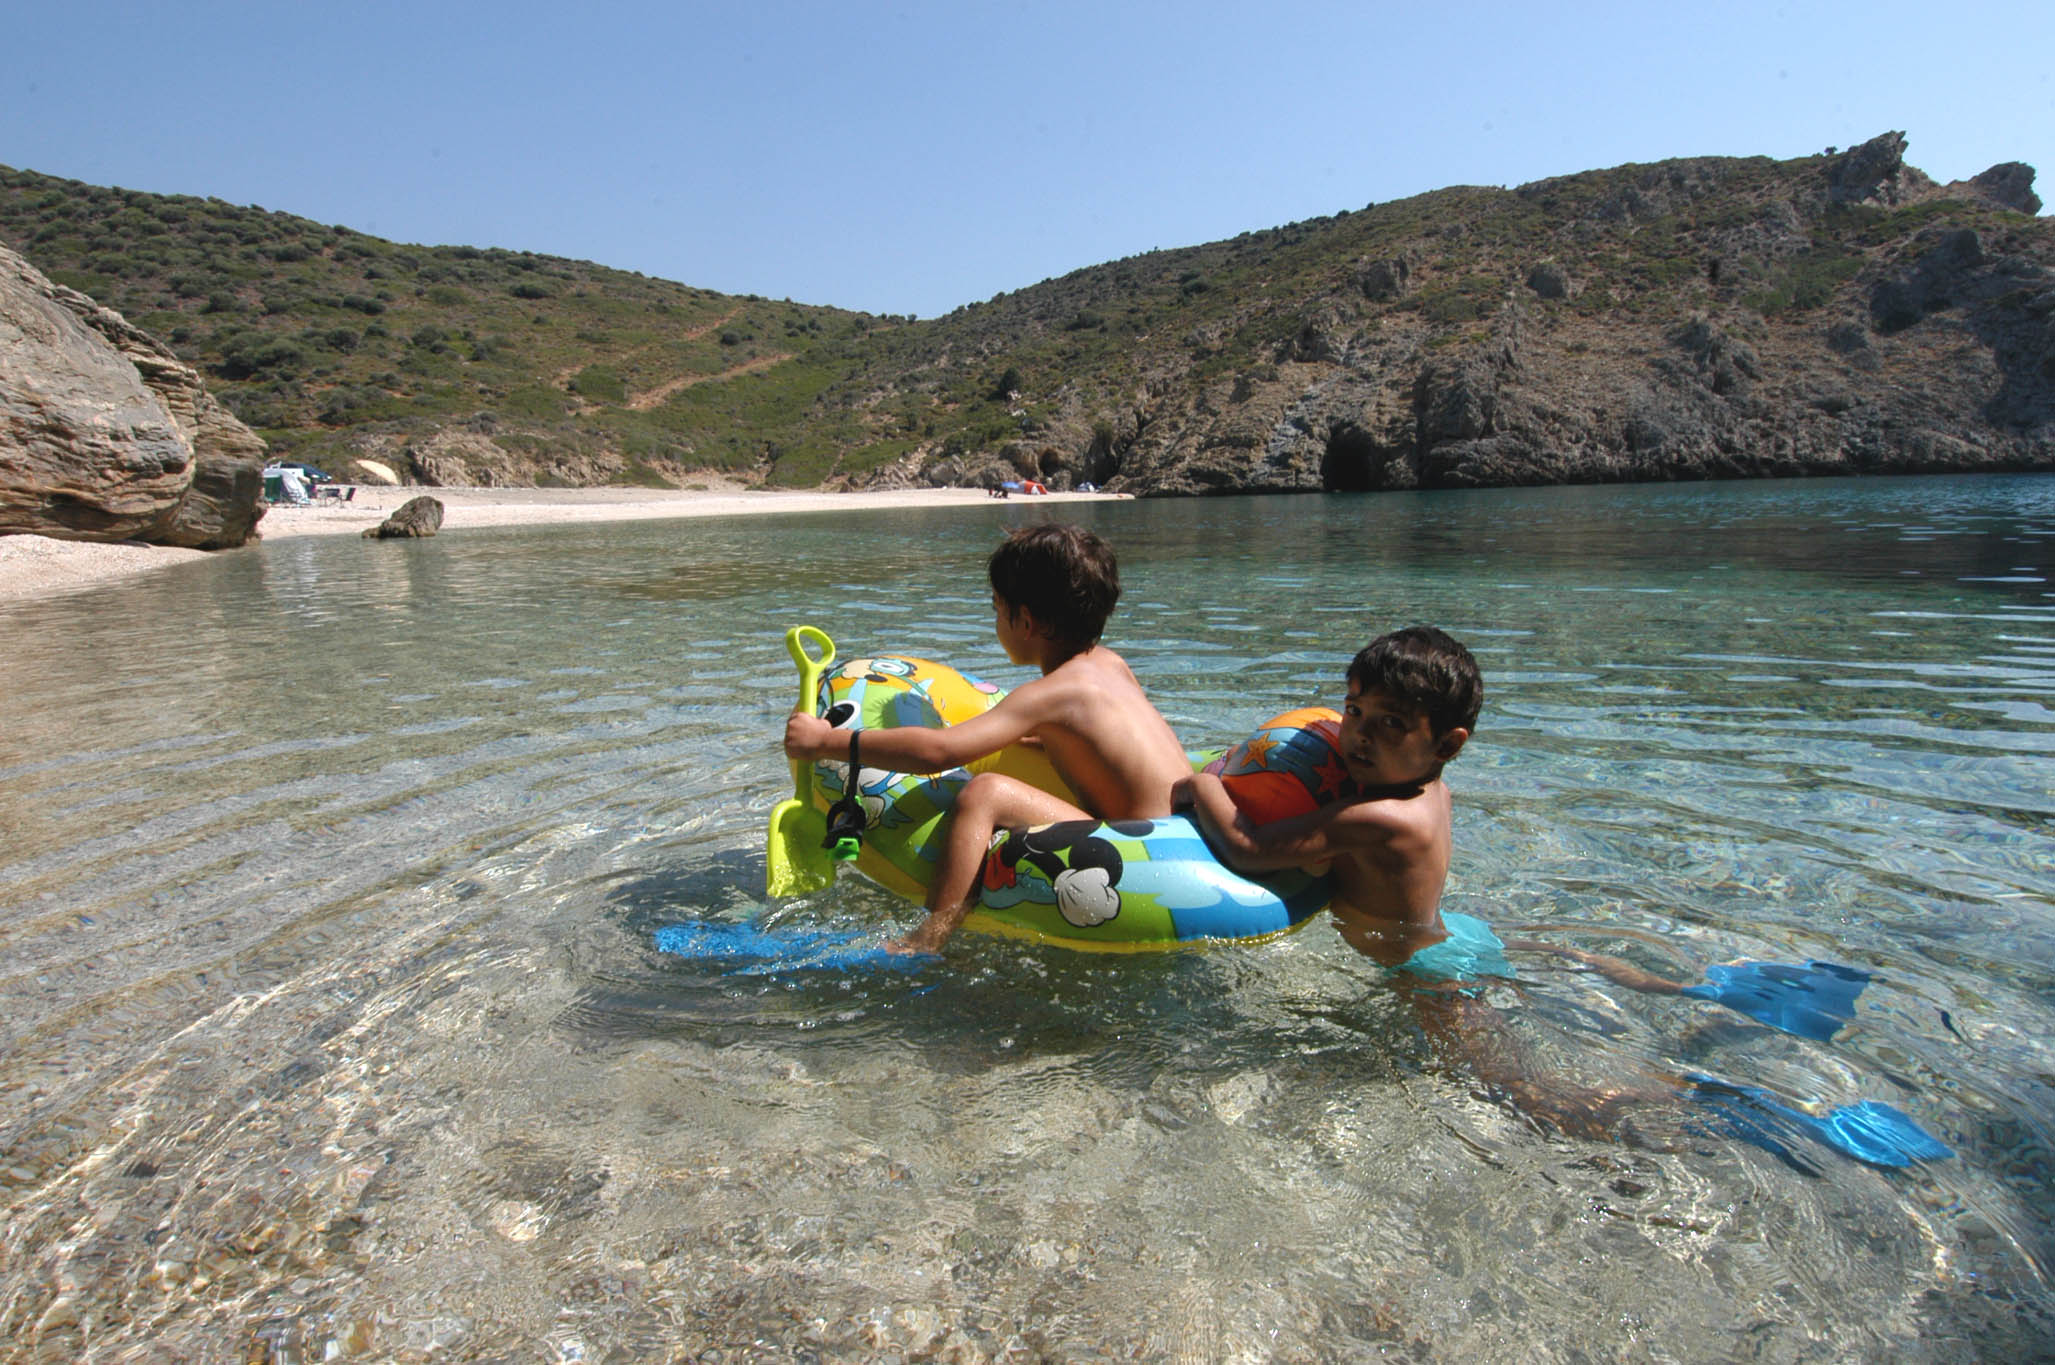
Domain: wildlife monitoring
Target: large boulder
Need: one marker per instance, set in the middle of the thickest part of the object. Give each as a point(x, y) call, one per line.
point(106, 435)
point(416, 518)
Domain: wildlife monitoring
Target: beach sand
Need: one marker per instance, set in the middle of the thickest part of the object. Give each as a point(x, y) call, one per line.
point(31, 566)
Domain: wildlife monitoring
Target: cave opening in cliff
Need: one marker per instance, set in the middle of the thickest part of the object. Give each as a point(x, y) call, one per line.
point(1347, 464)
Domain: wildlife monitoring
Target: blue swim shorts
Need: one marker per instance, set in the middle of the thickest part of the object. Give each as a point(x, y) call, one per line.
point(1470, 950)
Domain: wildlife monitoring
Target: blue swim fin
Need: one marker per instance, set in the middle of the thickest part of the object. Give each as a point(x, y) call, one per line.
point(754, 951)
point(1867, 1130)
point(1812, 1001)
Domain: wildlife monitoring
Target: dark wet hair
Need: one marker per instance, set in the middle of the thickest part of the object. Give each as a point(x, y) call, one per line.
point(1064, 576)
point(1426, 671)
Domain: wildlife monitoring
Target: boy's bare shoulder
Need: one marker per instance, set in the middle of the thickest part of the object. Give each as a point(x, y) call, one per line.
point(1426, 810)
point(1097, 666)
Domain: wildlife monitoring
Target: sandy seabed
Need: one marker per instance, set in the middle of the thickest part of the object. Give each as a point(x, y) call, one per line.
point(31, 566)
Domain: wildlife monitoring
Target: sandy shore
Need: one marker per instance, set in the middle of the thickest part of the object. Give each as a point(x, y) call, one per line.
point(31, 566)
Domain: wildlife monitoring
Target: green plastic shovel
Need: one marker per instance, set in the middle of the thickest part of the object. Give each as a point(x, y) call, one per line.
point(794, 861)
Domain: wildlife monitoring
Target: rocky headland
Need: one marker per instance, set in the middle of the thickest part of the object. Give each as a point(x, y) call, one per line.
point(105, 435)
point(1713, 318)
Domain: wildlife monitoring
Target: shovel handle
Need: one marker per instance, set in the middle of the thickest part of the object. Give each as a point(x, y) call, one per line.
point(810, 669)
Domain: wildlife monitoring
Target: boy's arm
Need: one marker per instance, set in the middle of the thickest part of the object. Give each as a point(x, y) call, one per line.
point(1317, 837)
point(924, 749)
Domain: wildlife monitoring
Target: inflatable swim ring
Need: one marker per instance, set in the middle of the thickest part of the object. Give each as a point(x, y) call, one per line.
point(1128, 885)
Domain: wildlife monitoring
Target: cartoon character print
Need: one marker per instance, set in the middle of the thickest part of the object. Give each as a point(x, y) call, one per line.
point(877, 693)
point(872, 784)
point(1082, 868)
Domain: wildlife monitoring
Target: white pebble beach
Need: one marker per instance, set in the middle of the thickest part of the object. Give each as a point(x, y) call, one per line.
point(32, 565)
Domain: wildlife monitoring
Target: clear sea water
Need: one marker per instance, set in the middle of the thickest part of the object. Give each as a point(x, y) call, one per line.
point(332, 1024)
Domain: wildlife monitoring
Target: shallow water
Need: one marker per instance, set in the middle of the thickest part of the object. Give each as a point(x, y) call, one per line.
point(334, 1025)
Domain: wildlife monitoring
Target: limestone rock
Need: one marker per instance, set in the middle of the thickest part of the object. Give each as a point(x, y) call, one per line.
point(1386, 280)
point(1549, 281)
point(1875, 173)
point(1934, 282)
point(2011, 184)
point(415, 518)
point(440, 470)
point(1725, 364)
point(106, 435)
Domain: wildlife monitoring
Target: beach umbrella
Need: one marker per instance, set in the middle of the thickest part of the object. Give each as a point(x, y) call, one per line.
point(377, 473)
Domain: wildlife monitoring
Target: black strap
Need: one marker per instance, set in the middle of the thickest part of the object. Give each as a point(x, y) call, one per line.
point(846, 818)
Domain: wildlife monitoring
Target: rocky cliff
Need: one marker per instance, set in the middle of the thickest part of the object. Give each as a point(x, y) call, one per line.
point(1715, 318)
point(106, 435)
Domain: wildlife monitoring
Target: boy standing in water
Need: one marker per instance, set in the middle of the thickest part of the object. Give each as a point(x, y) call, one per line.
point(1413, 697)
point(1412, 701)
point(1053, 587)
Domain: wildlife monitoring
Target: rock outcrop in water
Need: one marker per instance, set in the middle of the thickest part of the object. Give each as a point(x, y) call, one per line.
point(106, 435)
point(413, 519)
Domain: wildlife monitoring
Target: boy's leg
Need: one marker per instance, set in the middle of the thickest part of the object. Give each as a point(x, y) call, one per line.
point(1475, 1032)
point(987, 803)
point(1612, 968)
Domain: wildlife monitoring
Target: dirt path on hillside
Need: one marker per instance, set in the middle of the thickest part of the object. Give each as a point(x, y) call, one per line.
point(649, 398)
point(564, 377)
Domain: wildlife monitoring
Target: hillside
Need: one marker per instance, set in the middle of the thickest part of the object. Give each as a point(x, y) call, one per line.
point(489, 365)
point(1710, 317)
point(1713, 317)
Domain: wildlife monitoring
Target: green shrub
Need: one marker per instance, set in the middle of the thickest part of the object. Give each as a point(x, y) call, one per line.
point(531, 289)
point(1805, 281)
point(601, 383)
point(444, 296)
point(532, 401)
point(254, 353)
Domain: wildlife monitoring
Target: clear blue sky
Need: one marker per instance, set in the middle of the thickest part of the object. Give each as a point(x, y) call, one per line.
point(912, 157)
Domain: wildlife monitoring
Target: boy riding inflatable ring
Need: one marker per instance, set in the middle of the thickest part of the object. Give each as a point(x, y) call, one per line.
point(1128, 885)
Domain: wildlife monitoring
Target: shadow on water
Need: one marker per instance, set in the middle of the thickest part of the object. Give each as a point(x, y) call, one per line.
point(990, 999)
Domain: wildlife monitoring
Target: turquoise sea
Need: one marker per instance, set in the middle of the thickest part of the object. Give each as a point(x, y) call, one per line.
point(333, 1026)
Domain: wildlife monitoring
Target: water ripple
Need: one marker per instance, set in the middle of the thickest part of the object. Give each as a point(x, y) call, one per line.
point(336, 1024)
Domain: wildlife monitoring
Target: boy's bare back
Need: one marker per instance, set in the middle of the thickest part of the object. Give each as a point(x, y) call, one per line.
point(1101, 732)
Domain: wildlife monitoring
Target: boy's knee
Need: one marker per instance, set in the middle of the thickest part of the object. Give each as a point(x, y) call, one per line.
point(982, 792)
